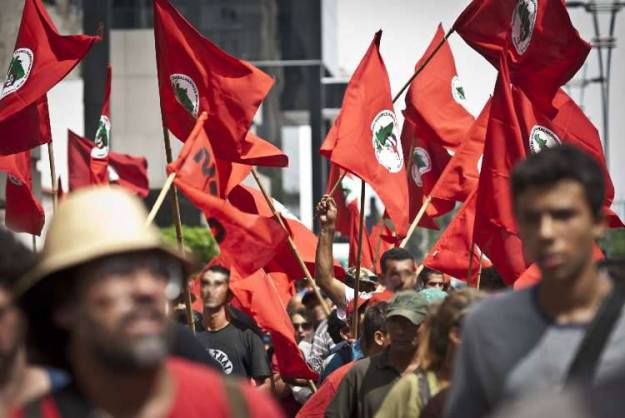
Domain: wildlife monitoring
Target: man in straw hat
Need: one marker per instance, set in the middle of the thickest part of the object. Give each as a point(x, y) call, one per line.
point(96, 302)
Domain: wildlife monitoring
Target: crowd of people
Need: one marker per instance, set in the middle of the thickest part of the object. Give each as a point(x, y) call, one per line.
point(89, 327)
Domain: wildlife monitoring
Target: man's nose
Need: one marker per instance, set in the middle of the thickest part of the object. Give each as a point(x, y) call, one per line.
point(546, 227)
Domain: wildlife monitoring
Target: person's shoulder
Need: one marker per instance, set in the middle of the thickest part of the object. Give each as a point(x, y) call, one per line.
point(499, 307)
point(259, 404)
point(360, 367)
point(187, 371)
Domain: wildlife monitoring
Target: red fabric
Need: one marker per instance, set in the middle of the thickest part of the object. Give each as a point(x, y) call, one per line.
point(379, 243)
point(128, 171)
point(252, 201)
point(516, 128)
point(315, 406)
point(451, 254)
point(248, 242)
point(436, 122)
point(197, 165)
point(197, 389)
point(555, 51)
point(347, 198)
point(42, 58)
point(98, 169)
point(462, 172)
point(208, 79)
point(24, 213)
point(532, 276)
point(27, 128)
point(364, 140)
point(259, 298)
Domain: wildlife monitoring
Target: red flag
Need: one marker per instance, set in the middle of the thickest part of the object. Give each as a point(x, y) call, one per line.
point(347, 198)
point(258, 297)
point(197, 166)
point(252, 201)
point(196, 76)
point(451, 254)
point(541, 46)
point(516, 128)
point(98, 170)
point(364, 140)
point(26, 129)
point(126, 170)
point(381, 239)
point(247, 241)
point(41, 58)
point(23, 211)
point(461, 174)
point(102, 136)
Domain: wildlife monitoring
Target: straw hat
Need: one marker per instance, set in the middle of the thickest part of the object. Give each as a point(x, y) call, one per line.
point(91, 223)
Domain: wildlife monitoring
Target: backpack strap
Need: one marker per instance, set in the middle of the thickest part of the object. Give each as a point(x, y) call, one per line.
point(236, 399)
point(586, 360)
point(424, 388)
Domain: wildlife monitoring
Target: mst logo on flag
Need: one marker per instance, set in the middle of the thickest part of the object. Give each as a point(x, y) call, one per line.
point(103, 133)
point(385, 141)
point(186, 93)
point(542, 138)
point(523, 20)
point(19, 70)
point(421, 164)
point(457, 90)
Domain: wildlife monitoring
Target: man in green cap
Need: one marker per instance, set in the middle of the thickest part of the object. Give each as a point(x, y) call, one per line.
point(365, 386)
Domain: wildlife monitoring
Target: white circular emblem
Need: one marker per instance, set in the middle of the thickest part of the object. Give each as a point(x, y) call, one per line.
point(222, 358)
point(385, 140)
point(99, 153)
point(186, 93)
point(457, 90)
point(542, 138)
point(523, 20)
point(103, 133)
point(421, 164)
point(15, 180)
point(113, 175)
point(19, 70)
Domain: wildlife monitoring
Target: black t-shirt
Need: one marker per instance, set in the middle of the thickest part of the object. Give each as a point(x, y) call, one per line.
point(240, 352)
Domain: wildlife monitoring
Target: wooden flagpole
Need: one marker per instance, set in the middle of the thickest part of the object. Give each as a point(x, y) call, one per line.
point(34, 243)
point(161, 197)
point(358, 261)
point(296, 253)
point(175, 207)
point(416, 221)
point(55, 198)
point(479, 270)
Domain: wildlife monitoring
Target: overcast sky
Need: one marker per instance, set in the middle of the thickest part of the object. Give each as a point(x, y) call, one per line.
point(408, 27)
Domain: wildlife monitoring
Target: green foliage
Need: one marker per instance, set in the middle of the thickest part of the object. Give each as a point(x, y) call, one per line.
point(613, 243)
point(382, 134)
point(197, 240)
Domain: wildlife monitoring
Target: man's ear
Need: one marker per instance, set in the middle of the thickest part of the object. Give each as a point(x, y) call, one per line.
point(379, 337)
point(454, 335)
point(599, 226)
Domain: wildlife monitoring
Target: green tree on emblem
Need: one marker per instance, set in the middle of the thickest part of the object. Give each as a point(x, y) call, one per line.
point(417, 159)
point(385, 134)
point(460, 92)
point(542, 143)
point(524, 15)
point(183, 97)
point(16, 71)
point(101, 135)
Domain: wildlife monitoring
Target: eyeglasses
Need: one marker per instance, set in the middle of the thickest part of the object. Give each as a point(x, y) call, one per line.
point(305, 326)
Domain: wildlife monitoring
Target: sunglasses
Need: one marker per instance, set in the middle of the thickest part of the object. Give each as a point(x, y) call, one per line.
point(302, 325)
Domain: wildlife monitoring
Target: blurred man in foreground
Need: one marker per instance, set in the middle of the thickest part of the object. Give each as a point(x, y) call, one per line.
point(531, 340)
point(96, 304)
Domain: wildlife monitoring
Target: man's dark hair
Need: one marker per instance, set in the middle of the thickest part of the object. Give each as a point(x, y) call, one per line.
point(563, 162)
point(373, 321)
point(15, 259)
point(491, 281)
point(423, 277)
point(218, 269)
point(394, 254)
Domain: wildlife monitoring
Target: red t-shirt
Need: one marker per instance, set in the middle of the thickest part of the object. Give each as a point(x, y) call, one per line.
point(199, 393)
point(315, 406)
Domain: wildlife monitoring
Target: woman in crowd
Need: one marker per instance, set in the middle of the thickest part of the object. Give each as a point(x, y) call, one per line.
point(439, 343)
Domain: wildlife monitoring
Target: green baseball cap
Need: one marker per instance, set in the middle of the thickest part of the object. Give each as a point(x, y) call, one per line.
point(408, 304)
